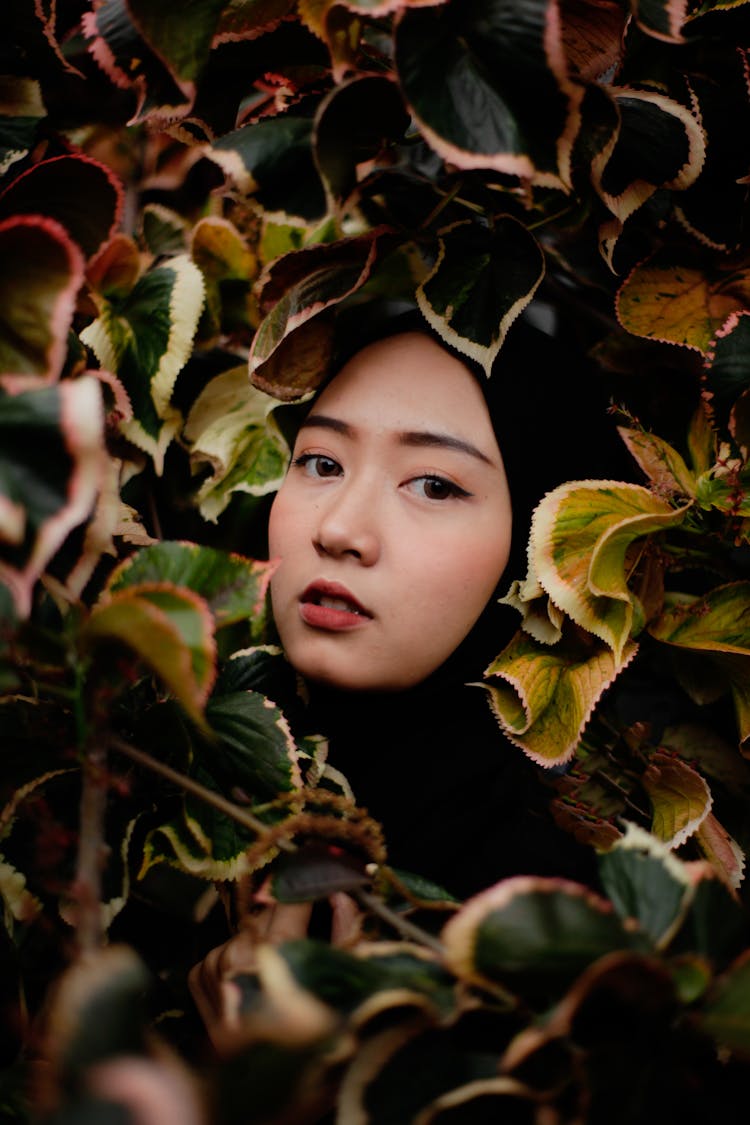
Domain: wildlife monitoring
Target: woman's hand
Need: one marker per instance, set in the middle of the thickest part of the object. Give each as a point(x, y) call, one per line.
point(217, 996)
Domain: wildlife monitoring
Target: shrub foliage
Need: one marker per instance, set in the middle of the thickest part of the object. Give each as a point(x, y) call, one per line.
point(192, 197)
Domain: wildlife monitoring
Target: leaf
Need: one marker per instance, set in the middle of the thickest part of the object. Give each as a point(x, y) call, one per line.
point(21, 110)
point(41, 271)
point(146, 338)
point(184, 43)
point(273, 160)
point(726, 1013)
point(488, 87)
point(722, 851)
point(580, 535)
point(247, 19)
point(663, 465)
point(116, 268)
point(170, 629)
point(255, 750)
point(229, 266)
point(481, 281)
point(645, 881)
point(544, 696)
point(718, 626)
point(726, 372)
point(231, 430)
point(97, 1011)
point(664, 19)
point(129, 62)
point(315, 872)
point(666, 298)
point(348, 134)
point(232, 586)
point(542, 620)
point(679, 796)
point(81, 194)
point(51, 468)
point(659, 144)
point(331, 273)
point(531, 925)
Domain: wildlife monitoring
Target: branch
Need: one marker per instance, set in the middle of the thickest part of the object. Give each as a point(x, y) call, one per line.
point(366, 899)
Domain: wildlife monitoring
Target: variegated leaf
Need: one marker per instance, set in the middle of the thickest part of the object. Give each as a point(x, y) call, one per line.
point(580, 535)
point(527, 924)
point(21, 110)
point(233, 587)
point(52, 466)
point(543, 695)
point(680, 302)
point(482, 280)
point(680, 798)
point(718, 626)
point(232, 432)
point(41, 271)
point(146, 338)
point(170, 629)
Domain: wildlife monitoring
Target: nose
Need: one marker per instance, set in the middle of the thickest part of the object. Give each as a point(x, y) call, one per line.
point(347, 525)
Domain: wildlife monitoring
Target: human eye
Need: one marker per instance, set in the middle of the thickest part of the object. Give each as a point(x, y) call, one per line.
point(433, 487)
point(317, 465)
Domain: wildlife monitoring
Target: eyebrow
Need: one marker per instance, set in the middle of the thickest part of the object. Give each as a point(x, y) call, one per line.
point(414, 438)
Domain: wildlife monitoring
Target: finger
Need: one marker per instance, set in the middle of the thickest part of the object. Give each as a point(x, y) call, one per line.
point(346, 919)
point(287, 922)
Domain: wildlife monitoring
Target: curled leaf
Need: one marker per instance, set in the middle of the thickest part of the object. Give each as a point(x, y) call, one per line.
point(680, 798)
point(543, 696)
point(580, 534)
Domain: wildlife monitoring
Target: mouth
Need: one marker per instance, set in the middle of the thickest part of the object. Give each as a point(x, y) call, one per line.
point(330, 606)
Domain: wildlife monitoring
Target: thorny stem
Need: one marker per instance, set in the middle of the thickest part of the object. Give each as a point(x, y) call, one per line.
point(365, 899)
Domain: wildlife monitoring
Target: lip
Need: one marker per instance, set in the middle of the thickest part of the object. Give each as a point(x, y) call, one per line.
point(332, 619)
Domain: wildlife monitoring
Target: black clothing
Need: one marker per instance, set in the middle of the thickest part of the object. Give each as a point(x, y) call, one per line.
point(459, 804)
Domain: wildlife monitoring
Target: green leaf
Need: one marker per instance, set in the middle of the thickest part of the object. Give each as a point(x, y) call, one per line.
point(543, 696)
point(232, 586)
point(480, 283)
point(273, 160)
point(534, 926)
point(580, 534)
point(41, 271)
point(645, 881)
point(488, 86)
point(51, 469)
point(659, 144)
point(170, 629)
point(229, 267)
point(727, 369)
point(718, 626)
point(146, 338)
point(183, 43)
point(726, 1014)
point(348, 133)
point(128, 60)
point(255, 749)
point(231, 429)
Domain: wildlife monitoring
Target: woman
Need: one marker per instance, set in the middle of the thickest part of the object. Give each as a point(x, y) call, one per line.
point(393, 529)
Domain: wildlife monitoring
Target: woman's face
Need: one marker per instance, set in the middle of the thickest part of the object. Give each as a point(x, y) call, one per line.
point(393, 524)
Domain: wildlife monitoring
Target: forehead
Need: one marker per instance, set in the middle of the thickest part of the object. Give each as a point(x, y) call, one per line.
point(405, 382)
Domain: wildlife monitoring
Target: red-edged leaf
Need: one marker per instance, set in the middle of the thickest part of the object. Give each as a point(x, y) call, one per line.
point(41, 271)
point(81, 193)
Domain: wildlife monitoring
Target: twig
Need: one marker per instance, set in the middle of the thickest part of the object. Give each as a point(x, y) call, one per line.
point(87, 888)
point(367, 900)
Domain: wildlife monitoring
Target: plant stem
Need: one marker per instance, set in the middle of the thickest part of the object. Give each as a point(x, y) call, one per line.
point(88, 882)
point(366, 899)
